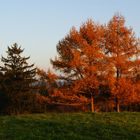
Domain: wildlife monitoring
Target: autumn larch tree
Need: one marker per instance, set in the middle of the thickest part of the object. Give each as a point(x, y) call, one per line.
point(18, 77)
point(57, 92)
point(121, 48)
point(79, 59)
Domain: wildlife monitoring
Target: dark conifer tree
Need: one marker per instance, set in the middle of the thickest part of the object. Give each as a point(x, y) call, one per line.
point(18, 76)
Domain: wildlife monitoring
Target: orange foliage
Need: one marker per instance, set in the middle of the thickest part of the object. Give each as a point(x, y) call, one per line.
point(121, 48)
point(96, 55)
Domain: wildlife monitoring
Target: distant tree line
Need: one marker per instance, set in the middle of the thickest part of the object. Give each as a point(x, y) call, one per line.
point(97, 68)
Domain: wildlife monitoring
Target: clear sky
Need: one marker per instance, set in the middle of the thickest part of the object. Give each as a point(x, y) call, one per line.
point(38, 25)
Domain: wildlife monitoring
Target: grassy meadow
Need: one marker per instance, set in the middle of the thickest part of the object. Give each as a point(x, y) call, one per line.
point(71, 126)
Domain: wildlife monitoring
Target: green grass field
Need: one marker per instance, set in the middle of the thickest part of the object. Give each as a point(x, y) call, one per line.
point(71, 126)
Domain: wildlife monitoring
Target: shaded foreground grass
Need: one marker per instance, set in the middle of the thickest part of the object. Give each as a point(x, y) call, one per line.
point(71, 126)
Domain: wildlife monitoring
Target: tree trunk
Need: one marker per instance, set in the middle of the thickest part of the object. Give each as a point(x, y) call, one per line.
point(117, 105)
point(92, 104)
point(117, 100)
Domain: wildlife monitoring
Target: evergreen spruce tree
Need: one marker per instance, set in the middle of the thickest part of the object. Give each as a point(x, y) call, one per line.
point(18, 77)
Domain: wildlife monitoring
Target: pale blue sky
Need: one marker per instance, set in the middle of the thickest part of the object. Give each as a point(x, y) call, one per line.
point(38, 25)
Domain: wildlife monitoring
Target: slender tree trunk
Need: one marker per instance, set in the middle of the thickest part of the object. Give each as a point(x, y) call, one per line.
point(92, 103)
point(117, 100)
point(117, 105)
